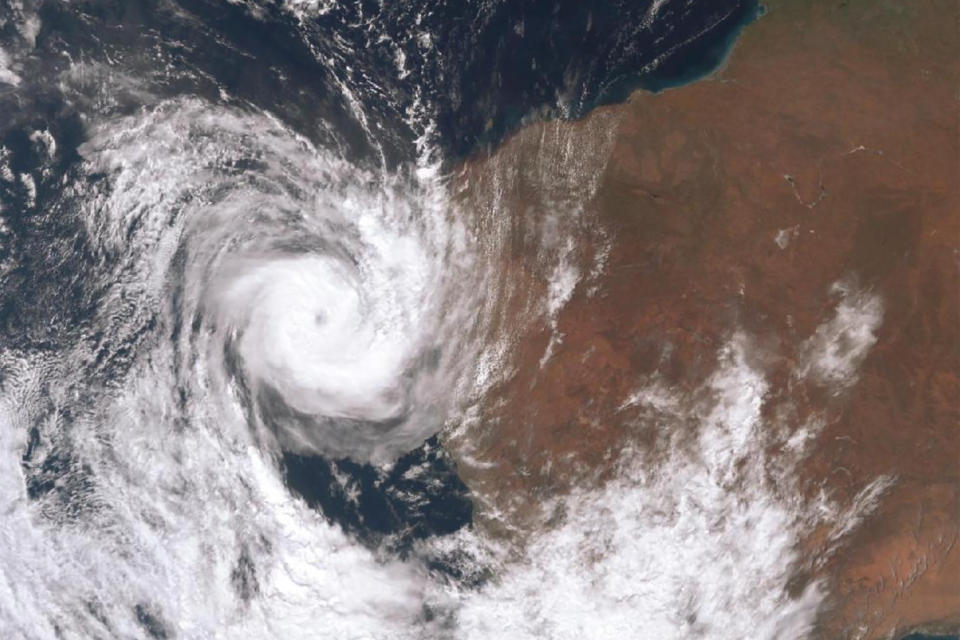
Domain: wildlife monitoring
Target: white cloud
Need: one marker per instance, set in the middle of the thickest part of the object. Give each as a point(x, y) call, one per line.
point(834, 353)
point(7, 75)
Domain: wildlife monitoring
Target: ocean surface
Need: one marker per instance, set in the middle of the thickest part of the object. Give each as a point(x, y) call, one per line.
point(362, 79)
point(238, 305)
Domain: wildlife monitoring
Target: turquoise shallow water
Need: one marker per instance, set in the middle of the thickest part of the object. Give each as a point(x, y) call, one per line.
point(712, 53)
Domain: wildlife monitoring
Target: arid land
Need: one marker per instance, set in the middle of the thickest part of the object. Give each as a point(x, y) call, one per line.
point(825, 150)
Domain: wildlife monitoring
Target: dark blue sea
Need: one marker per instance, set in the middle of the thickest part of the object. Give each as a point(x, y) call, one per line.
point(479, 69)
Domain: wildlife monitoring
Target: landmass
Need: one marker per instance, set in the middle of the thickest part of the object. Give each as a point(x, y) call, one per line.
point(823, 154)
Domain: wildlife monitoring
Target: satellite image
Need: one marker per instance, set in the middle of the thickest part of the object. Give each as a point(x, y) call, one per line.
point(480, 319)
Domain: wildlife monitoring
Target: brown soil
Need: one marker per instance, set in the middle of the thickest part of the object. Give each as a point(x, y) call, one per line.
point(834, 122)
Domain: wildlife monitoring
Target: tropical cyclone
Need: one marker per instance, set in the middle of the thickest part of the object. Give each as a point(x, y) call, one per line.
point(797, 210)
point(695, 354)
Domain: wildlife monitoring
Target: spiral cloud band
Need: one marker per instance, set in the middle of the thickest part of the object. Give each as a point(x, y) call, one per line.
point(209, 288)
point(322, 284)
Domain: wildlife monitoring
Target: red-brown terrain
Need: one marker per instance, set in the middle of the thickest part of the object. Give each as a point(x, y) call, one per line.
point(825, 151)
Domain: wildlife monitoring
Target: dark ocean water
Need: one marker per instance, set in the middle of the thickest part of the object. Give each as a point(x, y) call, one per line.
point(373, 83)
point(474, 70)
point(481, 68)
point(418, 497)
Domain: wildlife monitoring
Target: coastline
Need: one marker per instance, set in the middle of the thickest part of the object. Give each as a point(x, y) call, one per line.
point(696, 198)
